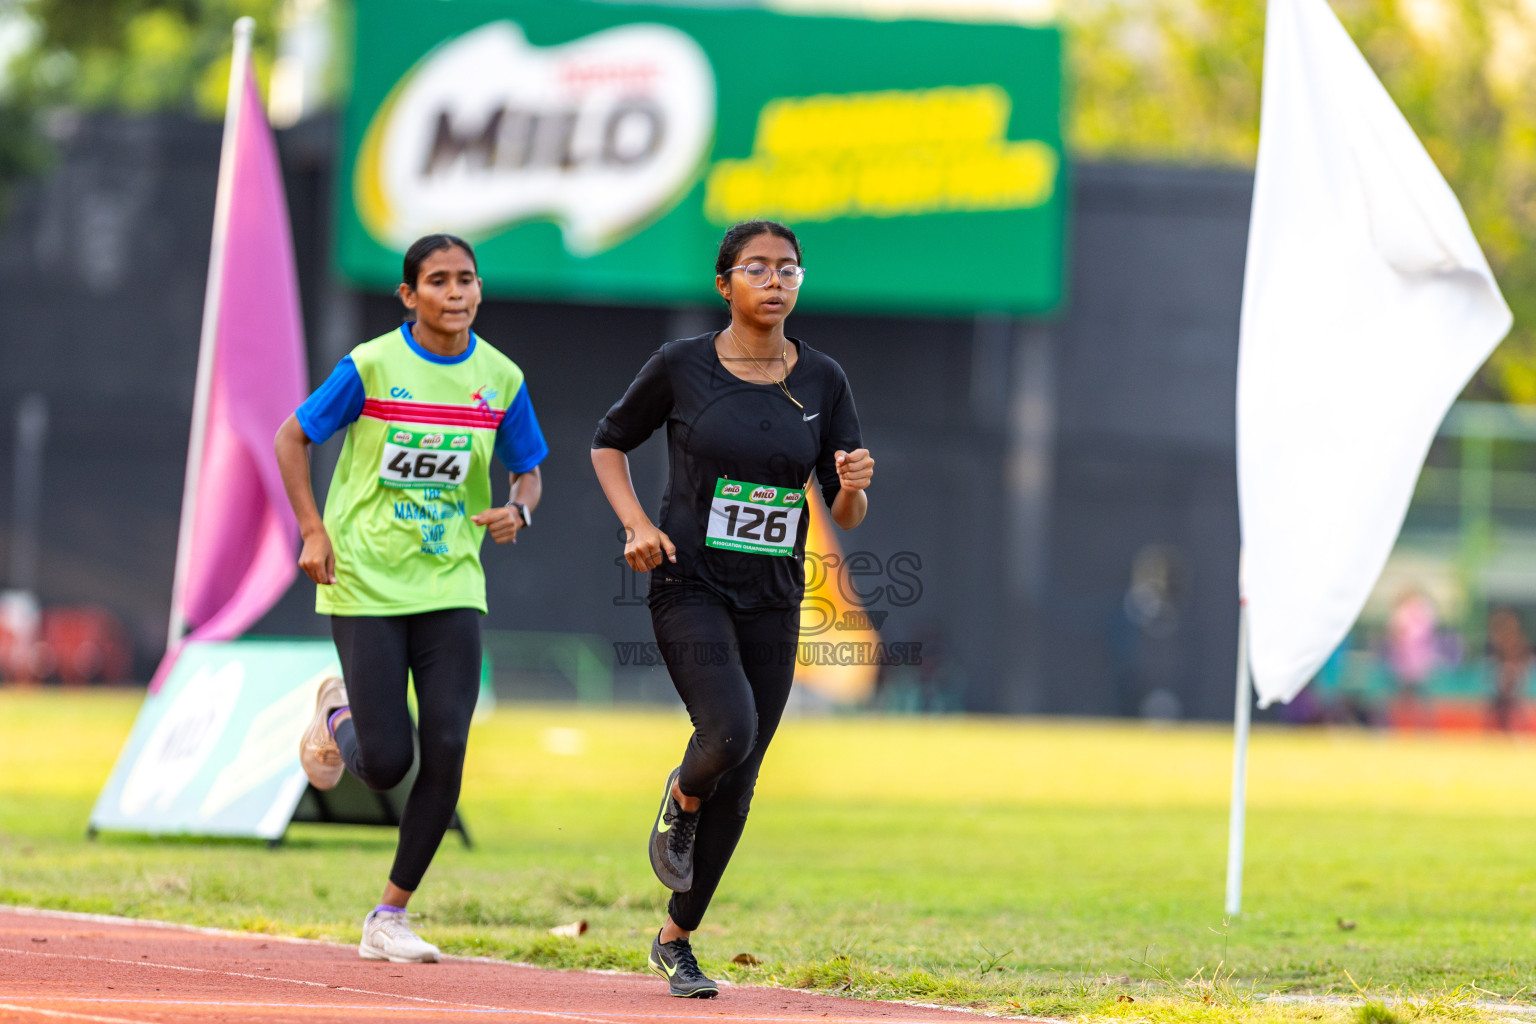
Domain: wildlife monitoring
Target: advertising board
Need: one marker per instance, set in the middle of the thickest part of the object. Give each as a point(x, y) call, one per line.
point(599, 151)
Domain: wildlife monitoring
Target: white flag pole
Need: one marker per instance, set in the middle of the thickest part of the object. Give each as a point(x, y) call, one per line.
point(208, 342)
point(1241, 717)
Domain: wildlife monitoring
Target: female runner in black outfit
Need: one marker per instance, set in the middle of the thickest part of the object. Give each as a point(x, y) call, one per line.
point(751, 416)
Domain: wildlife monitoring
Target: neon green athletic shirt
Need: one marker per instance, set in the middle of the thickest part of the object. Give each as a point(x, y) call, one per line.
point(414, 468)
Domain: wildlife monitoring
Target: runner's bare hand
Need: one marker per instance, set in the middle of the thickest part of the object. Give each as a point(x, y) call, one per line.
point(855, 469)
point(646, 547)
point(503, 523)
point(318, 559)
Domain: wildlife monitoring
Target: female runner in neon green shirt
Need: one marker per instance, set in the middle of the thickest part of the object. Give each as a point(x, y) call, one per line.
point(397, 554)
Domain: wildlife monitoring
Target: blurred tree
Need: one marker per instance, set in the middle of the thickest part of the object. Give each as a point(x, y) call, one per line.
point(1178, 80)
point(22, 151)
point(138, 55)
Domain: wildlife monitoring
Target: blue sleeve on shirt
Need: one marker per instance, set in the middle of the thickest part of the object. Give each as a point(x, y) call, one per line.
point(519, 441)
point(336, 403)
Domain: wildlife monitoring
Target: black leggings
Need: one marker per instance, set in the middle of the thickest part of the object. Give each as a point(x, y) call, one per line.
point(441, 649)
point(733, 670)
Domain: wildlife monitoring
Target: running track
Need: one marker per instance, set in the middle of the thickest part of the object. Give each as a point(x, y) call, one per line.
point(57, 967)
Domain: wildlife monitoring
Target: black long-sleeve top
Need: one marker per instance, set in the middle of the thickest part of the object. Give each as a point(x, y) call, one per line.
point(720, 426)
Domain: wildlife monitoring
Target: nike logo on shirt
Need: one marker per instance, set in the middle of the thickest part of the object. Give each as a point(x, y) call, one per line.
point(810, 417)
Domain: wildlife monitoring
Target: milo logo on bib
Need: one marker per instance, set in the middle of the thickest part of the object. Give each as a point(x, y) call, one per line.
point(754, 518)
point(421, 459)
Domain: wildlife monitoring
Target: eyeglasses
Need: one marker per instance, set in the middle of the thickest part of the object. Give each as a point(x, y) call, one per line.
point(759, 274)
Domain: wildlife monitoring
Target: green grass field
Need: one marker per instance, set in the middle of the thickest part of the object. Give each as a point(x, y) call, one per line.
point(1056, 868)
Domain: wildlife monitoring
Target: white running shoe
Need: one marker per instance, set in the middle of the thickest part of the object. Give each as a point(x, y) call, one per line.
point(318, 752)
point(386, 936)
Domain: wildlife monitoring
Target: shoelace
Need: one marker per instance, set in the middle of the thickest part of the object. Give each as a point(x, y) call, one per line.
point(395, 926)
point(682, 959)
point(683, 827)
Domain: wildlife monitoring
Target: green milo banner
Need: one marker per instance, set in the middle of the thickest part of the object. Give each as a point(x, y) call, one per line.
point(598, 150)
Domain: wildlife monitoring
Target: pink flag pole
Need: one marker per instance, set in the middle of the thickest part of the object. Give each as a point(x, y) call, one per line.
point(208, 342)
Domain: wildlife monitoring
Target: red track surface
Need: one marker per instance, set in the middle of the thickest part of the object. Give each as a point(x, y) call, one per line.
point(73, 967)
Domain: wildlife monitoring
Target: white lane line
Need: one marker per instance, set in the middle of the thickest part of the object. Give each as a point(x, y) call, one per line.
point(68, 1016)
point(293, 981)
point(713, 1014)
point(171, 926)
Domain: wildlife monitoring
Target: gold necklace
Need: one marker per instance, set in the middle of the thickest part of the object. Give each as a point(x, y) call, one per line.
point(763, 370)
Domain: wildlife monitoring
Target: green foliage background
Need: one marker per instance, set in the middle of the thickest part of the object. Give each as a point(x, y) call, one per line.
point(1164, 80)
point(1178, 81)
point(137, 56)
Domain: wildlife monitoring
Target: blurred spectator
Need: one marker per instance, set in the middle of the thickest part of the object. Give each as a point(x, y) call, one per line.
point(932, 685)
point(1509, 655)
point(1144, 619)
point(1311, 706)
point(73, 645)
point(1412, 652)
point(19, 617)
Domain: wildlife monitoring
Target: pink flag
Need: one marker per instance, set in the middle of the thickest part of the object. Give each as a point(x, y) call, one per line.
point(238, 547)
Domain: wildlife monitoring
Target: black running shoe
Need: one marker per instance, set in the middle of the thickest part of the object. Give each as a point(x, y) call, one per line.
point(674, 961)
point(672, 841)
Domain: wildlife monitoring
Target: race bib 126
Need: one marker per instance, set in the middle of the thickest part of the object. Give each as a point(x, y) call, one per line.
point(432, 458)
point(755, 518)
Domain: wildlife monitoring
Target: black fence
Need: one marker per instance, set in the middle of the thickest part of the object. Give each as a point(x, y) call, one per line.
point(1054, 516)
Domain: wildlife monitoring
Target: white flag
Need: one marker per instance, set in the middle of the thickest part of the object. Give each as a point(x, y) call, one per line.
point(1367, 306)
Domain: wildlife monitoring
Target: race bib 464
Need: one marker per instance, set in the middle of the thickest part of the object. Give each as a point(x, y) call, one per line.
point(432, 458)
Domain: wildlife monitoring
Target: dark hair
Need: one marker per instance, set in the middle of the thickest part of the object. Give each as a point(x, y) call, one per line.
point(737, 238)
point(425, 246)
